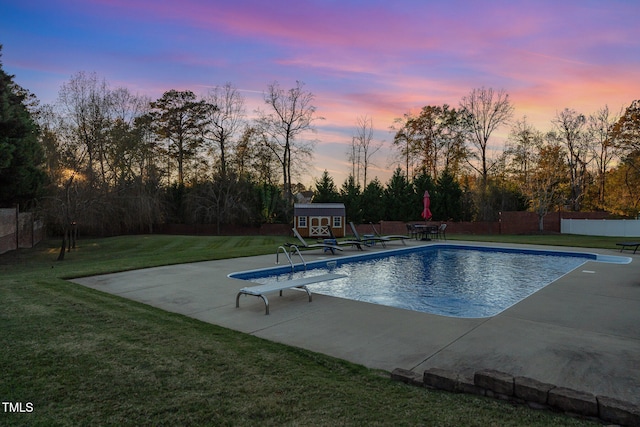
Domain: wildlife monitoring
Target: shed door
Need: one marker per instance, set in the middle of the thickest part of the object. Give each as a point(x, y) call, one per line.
point(319, 226)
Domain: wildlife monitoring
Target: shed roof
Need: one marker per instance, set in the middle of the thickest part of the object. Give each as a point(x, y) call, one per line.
point(310, 209)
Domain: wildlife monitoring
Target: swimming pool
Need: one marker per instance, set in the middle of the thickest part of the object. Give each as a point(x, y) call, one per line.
point(445, 279)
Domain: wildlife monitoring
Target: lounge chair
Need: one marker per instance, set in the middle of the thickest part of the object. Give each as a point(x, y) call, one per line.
point(629, 245)
point(401, 237)
point(369, 240)
point(345, 242)
point(325, 246)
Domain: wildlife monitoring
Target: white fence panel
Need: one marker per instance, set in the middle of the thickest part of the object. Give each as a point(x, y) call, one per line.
point(601, 227)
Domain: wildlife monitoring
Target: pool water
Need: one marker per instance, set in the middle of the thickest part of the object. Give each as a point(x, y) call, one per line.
point(448, 280)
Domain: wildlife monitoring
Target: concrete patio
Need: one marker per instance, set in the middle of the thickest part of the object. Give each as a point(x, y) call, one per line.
point(581, 332)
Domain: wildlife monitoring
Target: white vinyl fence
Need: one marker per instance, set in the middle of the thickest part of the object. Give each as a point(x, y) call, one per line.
point(601, 227)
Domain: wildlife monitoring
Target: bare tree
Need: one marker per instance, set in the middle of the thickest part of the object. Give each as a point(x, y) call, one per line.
point(523, 143)
point(101, 160)
point(127, 149)
point(486, 111)
point(354, 154)
point(290, 114)
point(85, 105)
point(363, 147)
point(85, 118)
point(225, 120)
point(434, 138)
point(71, 194)
point(126, 106)
point(600, 128)
point(569, 130)
point(548, 174)
point(403, 139)
point(244, 153)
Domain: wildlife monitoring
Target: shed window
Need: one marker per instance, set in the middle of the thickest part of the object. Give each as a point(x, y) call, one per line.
point(337, 222)
point(302, 222)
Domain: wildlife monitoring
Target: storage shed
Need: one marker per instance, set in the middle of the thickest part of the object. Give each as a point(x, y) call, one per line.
point(315, 219)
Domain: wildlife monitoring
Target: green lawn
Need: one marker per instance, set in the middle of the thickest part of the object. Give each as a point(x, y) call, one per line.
point(82, 357)
point(598, 242)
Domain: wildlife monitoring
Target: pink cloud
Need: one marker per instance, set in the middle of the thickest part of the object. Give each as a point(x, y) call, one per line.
point(382, 59)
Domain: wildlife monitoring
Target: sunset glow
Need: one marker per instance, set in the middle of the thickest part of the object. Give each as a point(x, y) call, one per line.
point(376, 58)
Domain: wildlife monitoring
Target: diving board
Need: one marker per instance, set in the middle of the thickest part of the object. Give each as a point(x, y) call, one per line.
point(301, 283)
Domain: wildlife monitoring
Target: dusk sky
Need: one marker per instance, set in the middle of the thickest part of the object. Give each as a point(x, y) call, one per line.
point(376, 58)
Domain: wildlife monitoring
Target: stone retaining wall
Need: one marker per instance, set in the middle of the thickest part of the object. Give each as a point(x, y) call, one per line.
point(523, 390)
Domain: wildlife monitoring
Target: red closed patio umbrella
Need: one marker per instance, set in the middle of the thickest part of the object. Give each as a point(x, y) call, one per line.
point(426, 202)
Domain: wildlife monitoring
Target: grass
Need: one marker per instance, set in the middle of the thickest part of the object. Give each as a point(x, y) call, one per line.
point(574, 240)
point(82, 357)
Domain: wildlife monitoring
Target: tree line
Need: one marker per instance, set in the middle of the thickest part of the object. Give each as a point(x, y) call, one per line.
point(585, 162)
point(118, 162)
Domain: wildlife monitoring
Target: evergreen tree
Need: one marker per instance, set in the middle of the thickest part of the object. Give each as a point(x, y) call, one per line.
point(373, 205)
point(326, 191)
point(447, 203)
point(180, 119)
point(268, 203)
point(351, 196)
point(399, 196)
point(21, 155)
